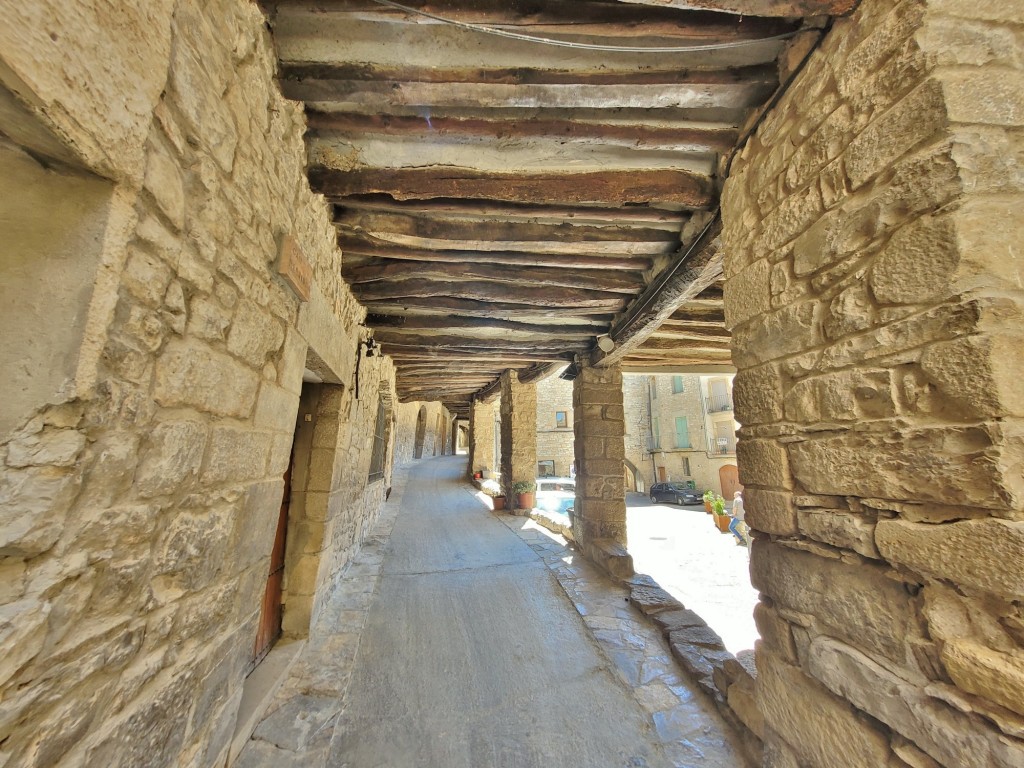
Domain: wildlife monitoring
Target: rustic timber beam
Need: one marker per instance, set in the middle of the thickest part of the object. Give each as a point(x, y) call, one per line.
point(389, 340)
point(576, 17)
point(352, 247)
point(684, 137)
point(521, 276)
point(694, 271)
point(589, 215)
point(470, 308)
point(567, 248)
point(620, 187)
point(417, 324)
point(372, 223)
point(768, 8)
point(479, 290)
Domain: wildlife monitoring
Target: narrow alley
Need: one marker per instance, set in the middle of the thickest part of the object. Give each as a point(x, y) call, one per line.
point(483, 642)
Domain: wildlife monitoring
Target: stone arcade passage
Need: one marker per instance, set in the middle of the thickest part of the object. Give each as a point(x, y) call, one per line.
point(824, 196)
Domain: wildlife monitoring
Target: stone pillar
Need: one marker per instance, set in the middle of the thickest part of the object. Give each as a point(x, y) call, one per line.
point(481, 437)
point(518, 433)
point(872, 256)
point(599, 426)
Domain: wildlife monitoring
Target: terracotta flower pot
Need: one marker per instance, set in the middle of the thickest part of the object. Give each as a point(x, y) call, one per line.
point(722, 521)
point(525, 500)
point(707, 506)
point(499, 503)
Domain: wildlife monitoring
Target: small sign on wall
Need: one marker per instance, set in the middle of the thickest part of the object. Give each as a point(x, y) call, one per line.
point(293, 266)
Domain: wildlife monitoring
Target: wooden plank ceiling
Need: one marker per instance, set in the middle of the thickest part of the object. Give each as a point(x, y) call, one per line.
point(502, 203)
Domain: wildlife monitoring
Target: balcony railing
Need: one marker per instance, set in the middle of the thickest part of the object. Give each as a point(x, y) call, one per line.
point(718, 403)
point(722, 445)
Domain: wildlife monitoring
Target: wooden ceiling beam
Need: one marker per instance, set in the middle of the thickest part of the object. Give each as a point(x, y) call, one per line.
point(383, 224)
point(765, 8)
point(352, 247)
point(498, 293)
point(621, 188)
point(578, 17)
point(520, 276)
point(566, 248)
point(486, 211)
point(470, 308)
point(682, 281)
point(415, 324)
point(461, 90)
point(681, 136)
point(390, 339)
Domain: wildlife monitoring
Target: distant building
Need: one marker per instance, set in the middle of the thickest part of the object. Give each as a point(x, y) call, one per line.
point(554, 427)
point(691, 429)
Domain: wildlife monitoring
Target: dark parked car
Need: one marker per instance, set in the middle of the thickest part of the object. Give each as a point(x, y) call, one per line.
point(675, 493)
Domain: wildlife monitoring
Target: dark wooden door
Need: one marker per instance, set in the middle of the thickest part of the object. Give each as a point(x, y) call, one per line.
point(729, 476)
point(269, 628)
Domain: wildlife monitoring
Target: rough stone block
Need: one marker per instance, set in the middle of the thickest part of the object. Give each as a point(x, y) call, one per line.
point(820, 728)
point(275, 409)
point(984, 95)
point(671, 620)
point(944, 465)
point(757, 394)
point(192, 374)
point(763, 463)
point(254, 334)
point(47, 448)
point(611, 556)
point(34, 503)
point(770, 511)
point(918, 117)
point(979, 554)
point(747, 294)
point(949, 736)
point(990, 674)
point(859, 603)
point(840, 528)
point(163, 181)
point(170, 458)
point(235, 455)
point(787, 331)
point(743, 703)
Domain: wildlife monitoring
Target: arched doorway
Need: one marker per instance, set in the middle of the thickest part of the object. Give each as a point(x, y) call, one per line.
point(633, 480)
point(730, 479)
point(421, 433)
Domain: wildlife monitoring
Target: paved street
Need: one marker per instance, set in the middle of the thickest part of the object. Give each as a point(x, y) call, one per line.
point(702, 568)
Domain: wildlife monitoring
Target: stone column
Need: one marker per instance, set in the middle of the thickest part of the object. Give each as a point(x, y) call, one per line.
point(518, 433)
point(481, 437)
point(872, 256)
point(599, 426)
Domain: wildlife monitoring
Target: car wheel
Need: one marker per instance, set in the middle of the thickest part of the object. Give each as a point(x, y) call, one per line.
point(679, 501)
point(654, 499)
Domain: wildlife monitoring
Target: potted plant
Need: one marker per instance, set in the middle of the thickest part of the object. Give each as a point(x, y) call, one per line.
point(524, 491)
point(709, 496)
point(499, 502)
point(722, 518)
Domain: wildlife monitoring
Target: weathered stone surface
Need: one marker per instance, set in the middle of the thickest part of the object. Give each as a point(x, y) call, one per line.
point(770, 511)
point(937, 464)
point(979, 554)
point(254, 334)
point(195, 375)
point(840, 529)
point(171, 457)
point(757, 395)
point(672, 620)
point(819, 727)
point(652, 599)
point(988, 673)
point(858, 603)
point(948, 736)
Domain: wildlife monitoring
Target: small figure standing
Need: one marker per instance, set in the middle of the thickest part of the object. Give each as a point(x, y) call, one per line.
point(736, 525)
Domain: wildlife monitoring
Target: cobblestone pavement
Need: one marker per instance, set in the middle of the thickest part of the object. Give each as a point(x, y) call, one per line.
point(705, 570)
point(460, 649)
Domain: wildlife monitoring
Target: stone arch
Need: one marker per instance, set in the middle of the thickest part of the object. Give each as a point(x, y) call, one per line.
point(421, 433)
point(634, 479)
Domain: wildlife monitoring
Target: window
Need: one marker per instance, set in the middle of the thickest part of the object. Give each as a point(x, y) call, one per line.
point(656, 433)
point(561, 420)
point(677, 385)
point(546, 468)
point(654, 388)
point(686, 466)
point(380, 443)
point(682, 432)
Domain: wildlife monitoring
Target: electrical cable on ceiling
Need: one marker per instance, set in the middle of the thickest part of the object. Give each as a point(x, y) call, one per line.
point(584, 46)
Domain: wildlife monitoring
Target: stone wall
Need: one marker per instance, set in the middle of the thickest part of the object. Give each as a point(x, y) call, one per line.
point(140, 490)
point(406, 415)
point(636, 407)
point(874, 293)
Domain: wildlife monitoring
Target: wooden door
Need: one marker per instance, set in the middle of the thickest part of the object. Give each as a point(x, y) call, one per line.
point(662, 476)
point(730, 478)
point(269, 628)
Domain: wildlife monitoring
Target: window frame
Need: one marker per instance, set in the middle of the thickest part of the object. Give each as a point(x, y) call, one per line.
point(379, 450)
point(564, 421)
